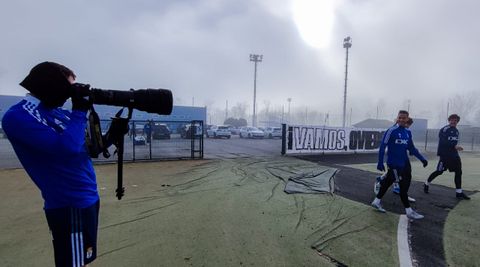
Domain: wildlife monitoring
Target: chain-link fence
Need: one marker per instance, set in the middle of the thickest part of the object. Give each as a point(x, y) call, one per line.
point(151, 139)
point(146, 140)
point(428, 140)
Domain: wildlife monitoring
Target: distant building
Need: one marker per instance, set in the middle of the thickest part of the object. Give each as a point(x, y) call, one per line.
point(373, 123)
point(419, 125)
point(418, 128)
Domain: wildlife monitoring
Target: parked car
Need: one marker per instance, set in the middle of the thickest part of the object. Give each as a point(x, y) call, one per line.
point(188, 131)
point(273, 132)
point(219, 132)
point(208, 126)
point(235, 130)
point(139, 129)
point(139, 135)
point(139, 140)
point(160, 131)
point(251, 132)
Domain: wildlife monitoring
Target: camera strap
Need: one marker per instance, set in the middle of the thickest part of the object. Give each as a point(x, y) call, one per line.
point(96, 142)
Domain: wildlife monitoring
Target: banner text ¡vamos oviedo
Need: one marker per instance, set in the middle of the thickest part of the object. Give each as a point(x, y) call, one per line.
point(319, 139)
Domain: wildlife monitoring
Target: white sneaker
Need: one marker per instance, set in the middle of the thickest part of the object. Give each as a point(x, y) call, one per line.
point(378, 207)
point(414, 215)
point(411, 199)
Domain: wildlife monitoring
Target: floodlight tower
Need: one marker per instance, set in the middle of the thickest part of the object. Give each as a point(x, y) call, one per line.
point(347, 43)
point(255, 58)
point(289, 100)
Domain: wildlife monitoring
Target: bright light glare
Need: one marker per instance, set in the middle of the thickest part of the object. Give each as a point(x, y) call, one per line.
point(314, 20)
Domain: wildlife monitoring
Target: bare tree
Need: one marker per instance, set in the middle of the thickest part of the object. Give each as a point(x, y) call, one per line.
point(465, 105)
point(239, 110)
point(476, 119)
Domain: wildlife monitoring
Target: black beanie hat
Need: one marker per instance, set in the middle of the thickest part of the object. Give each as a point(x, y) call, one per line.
point(48, 82)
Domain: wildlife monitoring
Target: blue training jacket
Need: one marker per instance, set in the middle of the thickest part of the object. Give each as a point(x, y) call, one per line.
point(50, 144)
point(397, 140)
point(447, 140)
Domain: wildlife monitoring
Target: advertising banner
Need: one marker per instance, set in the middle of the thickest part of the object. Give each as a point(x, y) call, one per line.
point(300, 139)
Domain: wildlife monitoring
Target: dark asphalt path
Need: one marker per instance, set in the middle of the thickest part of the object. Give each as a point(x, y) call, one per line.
point(426, 235)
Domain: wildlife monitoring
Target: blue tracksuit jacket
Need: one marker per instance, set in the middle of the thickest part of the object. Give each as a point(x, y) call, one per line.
point(50, 144)
point(447, 140)
point(397, 140)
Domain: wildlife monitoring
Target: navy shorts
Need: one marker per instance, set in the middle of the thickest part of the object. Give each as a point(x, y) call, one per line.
point(452, 164)
point(74, 233)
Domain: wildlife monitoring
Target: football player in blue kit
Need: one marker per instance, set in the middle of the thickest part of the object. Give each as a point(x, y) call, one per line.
point(398, 140)
point(448, 149)
point(396, 186)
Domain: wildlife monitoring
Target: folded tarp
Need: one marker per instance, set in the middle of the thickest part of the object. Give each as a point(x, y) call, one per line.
point(312, 182)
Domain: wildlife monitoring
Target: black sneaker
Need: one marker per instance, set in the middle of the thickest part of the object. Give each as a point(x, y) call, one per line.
point(462, 196)
point(425, 188)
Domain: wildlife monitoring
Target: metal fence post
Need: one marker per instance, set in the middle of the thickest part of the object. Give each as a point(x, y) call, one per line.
point(284, 138)
point(192, 139)
point(426, 139)
point(150, 137)
point(473, 140)
point(201, 140)
point(134, 133)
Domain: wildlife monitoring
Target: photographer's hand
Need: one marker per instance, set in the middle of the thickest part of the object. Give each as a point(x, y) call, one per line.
point(80, 95)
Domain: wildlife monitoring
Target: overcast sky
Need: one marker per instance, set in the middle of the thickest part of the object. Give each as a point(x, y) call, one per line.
point(423, 51)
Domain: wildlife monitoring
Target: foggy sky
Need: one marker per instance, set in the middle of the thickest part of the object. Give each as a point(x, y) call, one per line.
point(422, 51)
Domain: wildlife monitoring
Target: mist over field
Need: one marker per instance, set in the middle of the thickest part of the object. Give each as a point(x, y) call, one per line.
point(410, 55)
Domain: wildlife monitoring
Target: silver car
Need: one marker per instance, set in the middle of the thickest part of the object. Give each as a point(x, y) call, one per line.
point(251, 132)
point(219, 132)
point(273, 132)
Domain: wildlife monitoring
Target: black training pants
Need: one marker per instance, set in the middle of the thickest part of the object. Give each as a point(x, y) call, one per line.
point(404, 178)
point(453, 164)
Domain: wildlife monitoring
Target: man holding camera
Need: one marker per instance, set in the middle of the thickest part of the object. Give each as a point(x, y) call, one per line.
point(50, 144)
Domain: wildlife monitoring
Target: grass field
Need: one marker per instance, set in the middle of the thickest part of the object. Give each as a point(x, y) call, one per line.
point(462, 228)
point(206, 213)
point(462, 234)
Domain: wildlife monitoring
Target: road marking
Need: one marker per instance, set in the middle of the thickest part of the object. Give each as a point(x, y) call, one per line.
point(402, 240)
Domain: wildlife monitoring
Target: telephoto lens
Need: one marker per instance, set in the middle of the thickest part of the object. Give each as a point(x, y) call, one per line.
point(158, 101)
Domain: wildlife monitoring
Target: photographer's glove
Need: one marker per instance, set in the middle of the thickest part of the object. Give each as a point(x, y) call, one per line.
point(380, 167)
point(425, 163)
point(80, 93)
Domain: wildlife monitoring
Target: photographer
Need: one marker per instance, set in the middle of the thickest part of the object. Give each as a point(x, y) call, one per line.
point(50, 144)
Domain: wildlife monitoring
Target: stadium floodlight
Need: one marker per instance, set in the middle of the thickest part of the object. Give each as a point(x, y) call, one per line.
point(347, 43)
point(255, 58)
point(289, 102)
